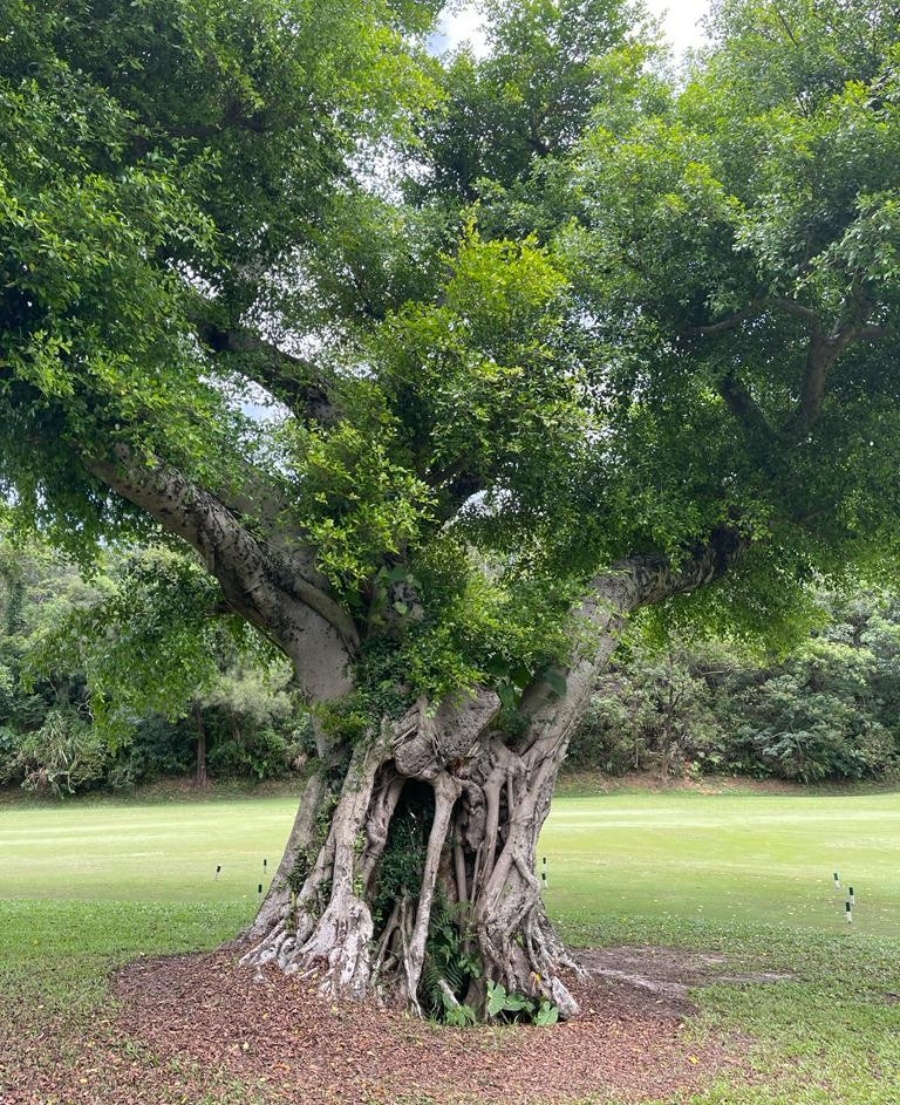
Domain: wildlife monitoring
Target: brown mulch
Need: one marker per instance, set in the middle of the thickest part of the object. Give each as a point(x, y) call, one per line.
point(192, 1027)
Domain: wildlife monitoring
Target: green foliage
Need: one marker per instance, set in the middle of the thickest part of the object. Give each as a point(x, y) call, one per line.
point(458, 1016)
point(513, 1007)
point(725, 237)
point(139, 645)
point(476, 381)
point(586, 314)
point(814, 718)
point(360, 505)
point(64, 756)
point(826, 710)
point(403, 860)
point(655, 713)
point(101, 680)
point(529, 99)
point(149, 151)
point(451, 964)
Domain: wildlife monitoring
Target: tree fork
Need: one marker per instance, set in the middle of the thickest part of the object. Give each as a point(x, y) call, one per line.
point(491, 795)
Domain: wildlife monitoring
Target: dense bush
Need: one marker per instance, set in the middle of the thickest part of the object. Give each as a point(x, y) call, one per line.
point(828, 711)
point(237, 718)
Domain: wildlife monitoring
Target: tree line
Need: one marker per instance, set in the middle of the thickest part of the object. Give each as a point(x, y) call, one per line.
point(828, 710)
point(81, 706)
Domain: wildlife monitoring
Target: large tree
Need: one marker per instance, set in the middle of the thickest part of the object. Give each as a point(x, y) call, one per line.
point(595, 344)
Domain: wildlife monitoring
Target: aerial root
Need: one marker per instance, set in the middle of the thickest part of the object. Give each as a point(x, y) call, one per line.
point(446, 791)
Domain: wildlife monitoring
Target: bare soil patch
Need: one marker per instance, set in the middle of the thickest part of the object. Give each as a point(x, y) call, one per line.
point(669, 973)
point(198, 1026)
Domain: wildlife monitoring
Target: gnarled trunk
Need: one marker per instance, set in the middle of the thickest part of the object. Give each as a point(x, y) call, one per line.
point(424, 885)
point(411, 864)
point(415, 874)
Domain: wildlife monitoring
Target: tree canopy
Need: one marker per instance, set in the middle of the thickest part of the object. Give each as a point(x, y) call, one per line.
point(538, 339)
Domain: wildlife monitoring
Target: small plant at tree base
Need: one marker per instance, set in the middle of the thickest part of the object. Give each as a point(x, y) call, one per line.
point(457, 1014)
point(506, 1006)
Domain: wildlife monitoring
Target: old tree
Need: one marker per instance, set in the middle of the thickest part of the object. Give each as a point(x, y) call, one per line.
point(443, 368)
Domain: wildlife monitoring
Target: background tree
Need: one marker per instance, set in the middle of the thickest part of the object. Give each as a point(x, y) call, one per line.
point(827, 710)
point(488, 454)
point(101, 684)
point(46, 741)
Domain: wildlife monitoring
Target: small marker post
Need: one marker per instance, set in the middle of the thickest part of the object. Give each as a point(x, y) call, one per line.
point(544, 873)
point(849, 911)
point(851, 896)
point(837, 881)
point(218, 871)
point(259, 891)
point(265, 864)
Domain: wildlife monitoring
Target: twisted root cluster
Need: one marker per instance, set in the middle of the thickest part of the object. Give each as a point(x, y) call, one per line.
point(485, 802)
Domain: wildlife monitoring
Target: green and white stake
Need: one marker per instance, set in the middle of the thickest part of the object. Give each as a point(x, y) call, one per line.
point(544, 873)
point(218, 872)
point(851, 896)
point(849, 911)
point(259, 892)
point(837, 881)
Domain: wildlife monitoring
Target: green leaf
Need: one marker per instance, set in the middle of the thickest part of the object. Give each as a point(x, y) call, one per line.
point(496, 998)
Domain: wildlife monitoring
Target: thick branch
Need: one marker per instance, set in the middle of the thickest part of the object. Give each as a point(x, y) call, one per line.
point(745, 408)
point(732, 322)
point(798, 310)
point(822, 353)
point(613, 595)
point(290, 379)
point(266, 586)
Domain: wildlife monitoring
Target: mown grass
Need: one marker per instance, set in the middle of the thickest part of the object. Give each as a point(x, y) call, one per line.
point(143, 852)
point(731, 858)
point(751, 877)
point(86, 887)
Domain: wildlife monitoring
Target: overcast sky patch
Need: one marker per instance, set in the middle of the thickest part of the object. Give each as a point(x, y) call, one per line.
point(681, 21)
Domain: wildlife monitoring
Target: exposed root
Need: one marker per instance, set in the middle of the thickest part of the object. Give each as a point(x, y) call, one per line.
point(277, 903)
point(489, 805)
point(459, 868)
point(446, 791)
point(377, 826)
point(339, 949)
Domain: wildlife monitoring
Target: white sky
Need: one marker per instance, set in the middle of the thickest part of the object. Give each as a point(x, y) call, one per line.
point(680, 22)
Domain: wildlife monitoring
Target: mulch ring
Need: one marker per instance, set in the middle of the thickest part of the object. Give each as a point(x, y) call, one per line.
point(198, 1026)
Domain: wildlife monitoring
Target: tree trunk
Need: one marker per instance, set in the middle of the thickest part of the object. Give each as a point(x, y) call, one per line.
point(201, 778)
point(424, 885)
point(411, 864)
point(414, 875)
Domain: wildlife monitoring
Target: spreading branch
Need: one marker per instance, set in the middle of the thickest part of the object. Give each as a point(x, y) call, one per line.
point(744, 407)
point(731, 322)
point(267, 586)
point(614, 594)
point(822, 353)
point(292, 380)
point(823, 350)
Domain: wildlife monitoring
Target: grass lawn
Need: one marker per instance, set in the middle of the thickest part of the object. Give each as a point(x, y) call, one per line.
point(109, 851)
point(745, 859)
point(85, 886)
